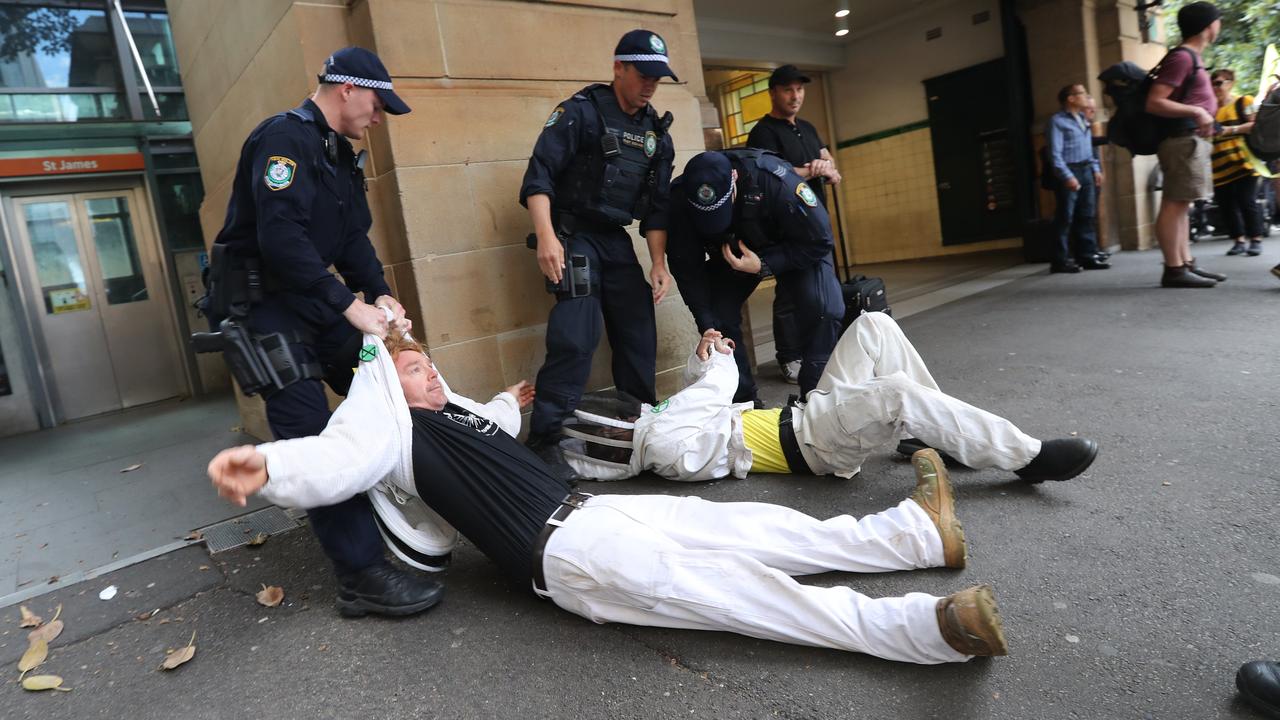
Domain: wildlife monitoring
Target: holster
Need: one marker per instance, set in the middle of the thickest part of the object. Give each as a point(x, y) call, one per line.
point(262, 364)
point(577, 278)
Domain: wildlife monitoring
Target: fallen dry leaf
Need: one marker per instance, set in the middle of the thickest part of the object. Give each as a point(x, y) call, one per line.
point(194, 536)
point(164, 621)
point(270, 596)
point(258, 539)
point(204, 567)
point(178, 657)
point(43, 682)
point(29, 619)
point(35, 654)
point(46, 632)
point(131, 468)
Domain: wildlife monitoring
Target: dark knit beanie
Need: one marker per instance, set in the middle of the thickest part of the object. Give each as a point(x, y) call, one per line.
point(1194, 18)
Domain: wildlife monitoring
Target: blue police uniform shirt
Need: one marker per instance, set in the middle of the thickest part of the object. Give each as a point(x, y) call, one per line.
point(568, 130)
point(301, 213)
point(793, 219)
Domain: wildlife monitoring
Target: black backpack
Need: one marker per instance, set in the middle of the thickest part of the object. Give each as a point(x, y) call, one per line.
point(1132, 127)
point(1264, 139)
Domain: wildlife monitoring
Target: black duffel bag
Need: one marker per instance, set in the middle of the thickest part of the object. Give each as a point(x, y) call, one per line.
point(863, 294)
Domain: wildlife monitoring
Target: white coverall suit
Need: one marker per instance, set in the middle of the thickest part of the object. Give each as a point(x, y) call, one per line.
point(657, 560)
point(874, 391)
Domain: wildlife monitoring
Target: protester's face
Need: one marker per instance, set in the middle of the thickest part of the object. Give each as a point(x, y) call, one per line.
point(1222, 88)
point(361, 109)
point(1076, 100)
point(634, 88)
point(787, 99)
point(420, 381)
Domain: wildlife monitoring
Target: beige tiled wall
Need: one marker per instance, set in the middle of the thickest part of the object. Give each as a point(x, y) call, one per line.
point(890, 201)
point(482, 76)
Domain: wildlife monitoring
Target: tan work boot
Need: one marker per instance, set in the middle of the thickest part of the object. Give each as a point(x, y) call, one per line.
point(970, 622)
point(933, 494)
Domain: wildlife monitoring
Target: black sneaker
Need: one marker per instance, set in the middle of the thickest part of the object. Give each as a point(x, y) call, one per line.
point(1065, 268)
point(1255, 248)
point(1237, 249)
point(910, 446)
point(386, 590)
point(1060, 460)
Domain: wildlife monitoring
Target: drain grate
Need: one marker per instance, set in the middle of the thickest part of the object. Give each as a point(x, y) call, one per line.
point(239, 531)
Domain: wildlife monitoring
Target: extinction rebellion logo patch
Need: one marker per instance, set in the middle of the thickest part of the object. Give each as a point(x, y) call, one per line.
point(368, 353)
point(279, 172)
point(660, 406)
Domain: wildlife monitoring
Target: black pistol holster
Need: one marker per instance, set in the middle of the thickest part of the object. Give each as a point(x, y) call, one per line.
point(576, 280)
point(261, 364)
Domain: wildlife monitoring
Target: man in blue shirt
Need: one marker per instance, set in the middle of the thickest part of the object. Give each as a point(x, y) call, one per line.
point(1077, 175)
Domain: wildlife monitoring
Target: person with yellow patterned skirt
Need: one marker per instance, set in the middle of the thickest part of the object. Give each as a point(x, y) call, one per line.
point(1235, 184)
point(874, 391)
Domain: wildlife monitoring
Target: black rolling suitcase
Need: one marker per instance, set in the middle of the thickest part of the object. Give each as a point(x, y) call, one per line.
point(862, 295)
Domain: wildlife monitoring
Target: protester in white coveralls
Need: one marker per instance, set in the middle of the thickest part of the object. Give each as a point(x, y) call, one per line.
point(874, 391)
point(645, 560)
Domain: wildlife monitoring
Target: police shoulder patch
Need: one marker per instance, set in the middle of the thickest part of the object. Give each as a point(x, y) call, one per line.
point(279, 173)
point(806, 194)
point(555, 115)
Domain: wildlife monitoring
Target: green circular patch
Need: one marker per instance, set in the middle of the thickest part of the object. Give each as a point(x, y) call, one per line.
point(368, 353)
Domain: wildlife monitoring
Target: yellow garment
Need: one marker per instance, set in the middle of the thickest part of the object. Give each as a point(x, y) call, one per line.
point(760, 433)
point(1229, 160)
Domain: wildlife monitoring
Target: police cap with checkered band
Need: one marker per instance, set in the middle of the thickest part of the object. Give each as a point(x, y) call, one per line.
point(362, 68)
point(647, 51)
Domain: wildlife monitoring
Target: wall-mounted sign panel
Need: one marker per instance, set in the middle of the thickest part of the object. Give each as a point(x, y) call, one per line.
point(68, 164)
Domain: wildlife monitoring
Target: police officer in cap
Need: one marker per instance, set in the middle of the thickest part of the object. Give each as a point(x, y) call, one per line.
point(738, 216)
point(298, 206)
point(603, 159)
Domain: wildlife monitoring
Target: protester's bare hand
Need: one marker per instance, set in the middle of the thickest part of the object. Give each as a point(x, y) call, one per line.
point(1097, 179)
point(1073, 184)
point(367, 318)
point(705, 343)
point(748, 263)
point(1204, 122)
point(661, 281)
point(1244, 128)
point(551, 257)
point(238, 472)
point(523, 392)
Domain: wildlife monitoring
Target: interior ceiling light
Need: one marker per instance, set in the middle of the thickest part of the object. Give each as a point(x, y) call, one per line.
point(842, 32)
point(842, 9)
point(842, 27)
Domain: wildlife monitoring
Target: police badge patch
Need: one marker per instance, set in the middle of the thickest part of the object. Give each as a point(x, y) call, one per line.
point(706, 194)
point(555, 115)
point(650, 143)
point(806, 194)
point(658, 46)
point(279, 172)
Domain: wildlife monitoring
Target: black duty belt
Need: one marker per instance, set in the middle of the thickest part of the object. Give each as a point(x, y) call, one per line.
point(571, 502)
point(790, 446)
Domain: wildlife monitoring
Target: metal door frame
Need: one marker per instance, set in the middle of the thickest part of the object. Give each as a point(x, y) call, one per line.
point(36, 353)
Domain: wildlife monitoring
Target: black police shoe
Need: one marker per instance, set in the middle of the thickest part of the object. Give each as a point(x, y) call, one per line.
point(910, 446)
point(386, 590)
point(547, 448)
point(1259, 683)
point(1060, 460)
point(1064, 268)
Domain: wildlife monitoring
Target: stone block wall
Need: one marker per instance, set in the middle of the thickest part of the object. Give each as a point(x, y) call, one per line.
point(481, 76)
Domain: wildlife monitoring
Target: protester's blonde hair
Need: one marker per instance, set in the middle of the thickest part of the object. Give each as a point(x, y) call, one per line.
point(397, 343)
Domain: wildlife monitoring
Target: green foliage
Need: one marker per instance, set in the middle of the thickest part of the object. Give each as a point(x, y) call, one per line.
point(1248, 26)
point(24, 30)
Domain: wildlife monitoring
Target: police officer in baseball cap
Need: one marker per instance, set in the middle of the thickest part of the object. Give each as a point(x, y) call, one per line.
point(603, 159)
point(738, 216)
point(297, 207)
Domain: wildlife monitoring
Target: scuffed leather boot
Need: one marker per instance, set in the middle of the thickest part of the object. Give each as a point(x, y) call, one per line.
point(1181, 277)
point(1259, 683)
point(970, 622)
point(1193, 268)
point(1060, 460)
point(933, 494)
point(386, 590)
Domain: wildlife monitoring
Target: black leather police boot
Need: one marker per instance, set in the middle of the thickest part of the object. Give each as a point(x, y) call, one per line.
point(547, 448)
point(910, 446)
point(1060, 460)
point(386, 590)
point(1259, 683)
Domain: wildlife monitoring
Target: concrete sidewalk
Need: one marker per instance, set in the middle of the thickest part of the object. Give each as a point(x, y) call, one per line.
point(1133, 591)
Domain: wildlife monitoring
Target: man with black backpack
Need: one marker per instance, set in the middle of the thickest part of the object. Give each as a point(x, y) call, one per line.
point(1181, 92)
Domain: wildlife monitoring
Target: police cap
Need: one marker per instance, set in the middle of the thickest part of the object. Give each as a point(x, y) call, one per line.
point(708, 188)
point(647, 51)
point(362, 68)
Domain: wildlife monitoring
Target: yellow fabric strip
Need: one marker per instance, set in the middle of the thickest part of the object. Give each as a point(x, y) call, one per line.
point(760, 433)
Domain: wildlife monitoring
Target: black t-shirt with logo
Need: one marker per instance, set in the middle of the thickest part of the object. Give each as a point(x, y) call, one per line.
point(491, 488)
point(797, 144)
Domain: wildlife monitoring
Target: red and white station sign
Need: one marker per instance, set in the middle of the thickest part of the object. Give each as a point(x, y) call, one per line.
point(69, 164)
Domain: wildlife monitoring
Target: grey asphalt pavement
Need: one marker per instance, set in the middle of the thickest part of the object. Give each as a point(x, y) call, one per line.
point(1133, 591)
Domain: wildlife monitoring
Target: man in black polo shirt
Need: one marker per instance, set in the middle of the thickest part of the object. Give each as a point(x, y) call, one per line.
point(645, 560)
point(797, 141)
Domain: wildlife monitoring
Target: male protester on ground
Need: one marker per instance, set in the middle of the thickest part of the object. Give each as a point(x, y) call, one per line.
point(1078, 174)
point(737, 216)
point(603, 159)
point(298, 206)
point(798, 142)
point(875, 389)
point(1183, 94)
point(644, 560)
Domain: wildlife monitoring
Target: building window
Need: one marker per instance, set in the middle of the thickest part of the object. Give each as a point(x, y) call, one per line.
point(151, 34)
point(180, 195)
point(743, 101)
point(57, 64)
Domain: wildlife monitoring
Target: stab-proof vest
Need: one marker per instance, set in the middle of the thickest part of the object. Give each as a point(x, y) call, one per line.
point(612, 177)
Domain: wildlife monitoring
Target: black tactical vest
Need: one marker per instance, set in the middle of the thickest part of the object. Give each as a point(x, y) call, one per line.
point(612, 177)
point(751, 220)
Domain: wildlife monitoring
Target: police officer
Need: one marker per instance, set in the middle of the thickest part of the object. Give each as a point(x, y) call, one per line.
point(603, 159)
point(298, 206)
point(738, 216)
